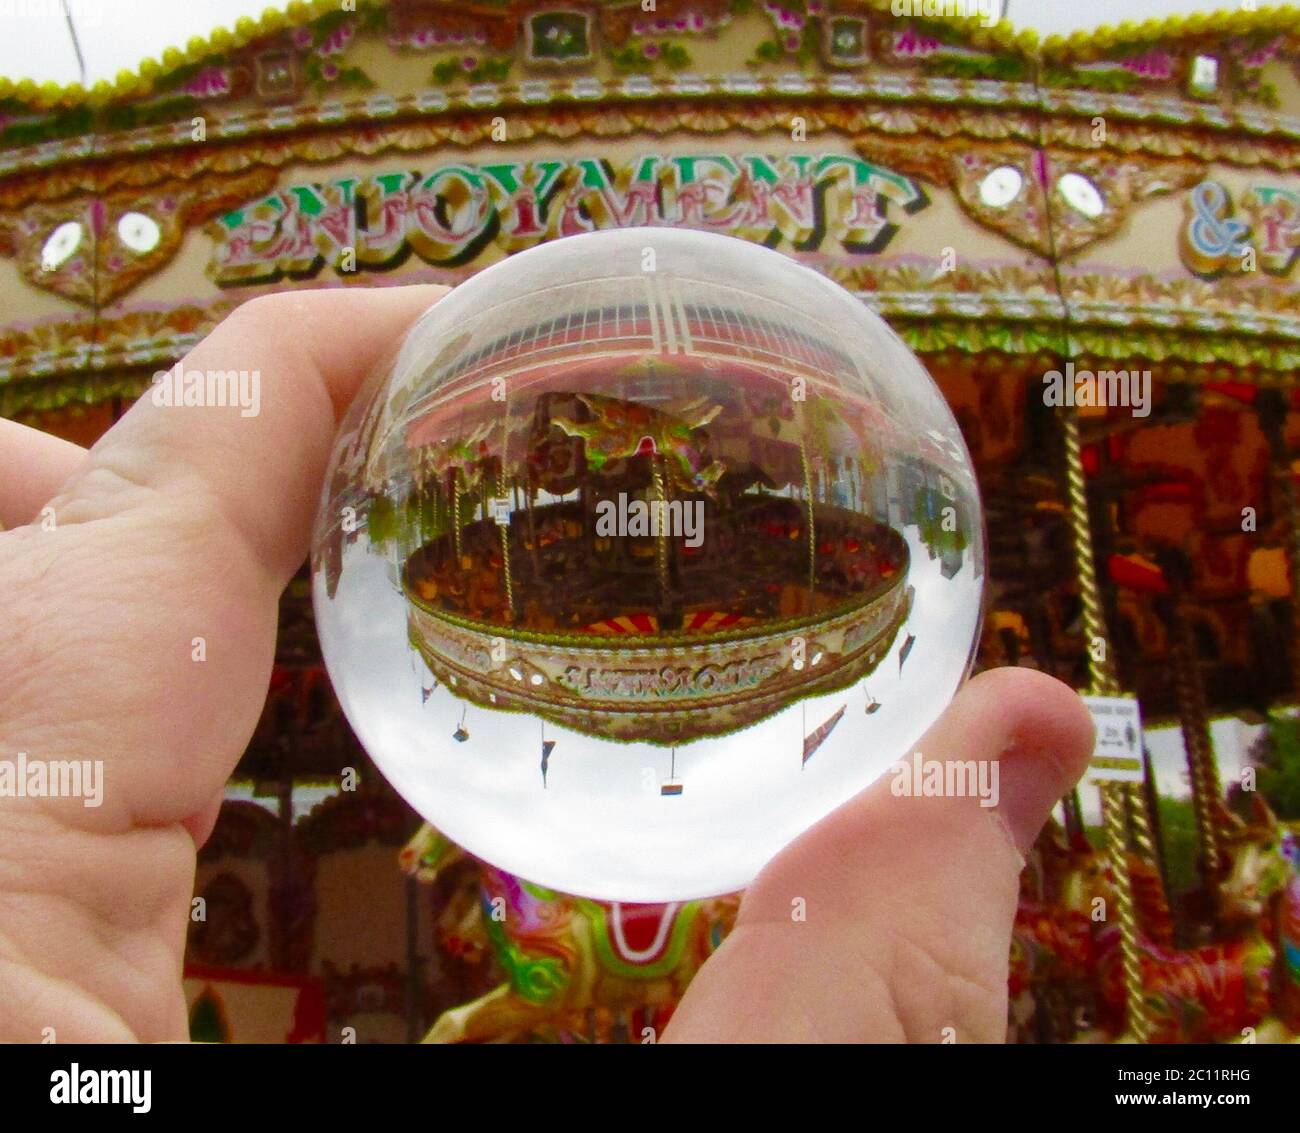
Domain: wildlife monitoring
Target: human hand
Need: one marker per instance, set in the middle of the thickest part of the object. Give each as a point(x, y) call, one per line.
point(179, 523)
point(908, 902)
point(186, 524)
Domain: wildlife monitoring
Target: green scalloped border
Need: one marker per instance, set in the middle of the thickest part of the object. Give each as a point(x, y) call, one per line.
point(1198, 355)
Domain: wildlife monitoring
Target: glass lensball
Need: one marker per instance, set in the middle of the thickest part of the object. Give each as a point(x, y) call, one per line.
point(649, 549)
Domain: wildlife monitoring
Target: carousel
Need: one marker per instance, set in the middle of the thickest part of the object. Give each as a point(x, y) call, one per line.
point(1119, 202)
point(554, 556)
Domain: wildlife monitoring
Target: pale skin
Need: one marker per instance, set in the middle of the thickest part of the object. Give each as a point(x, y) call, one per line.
point(184, 523)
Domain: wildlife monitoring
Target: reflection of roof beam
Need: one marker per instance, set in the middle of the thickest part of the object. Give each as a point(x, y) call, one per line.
point(668, 318)
point(652, 306)
point(675, 300)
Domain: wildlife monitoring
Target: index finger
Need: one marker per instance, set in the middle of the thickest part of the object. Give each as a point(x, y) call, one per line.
point(302, 355)
point(33, 466)
point(151, 605)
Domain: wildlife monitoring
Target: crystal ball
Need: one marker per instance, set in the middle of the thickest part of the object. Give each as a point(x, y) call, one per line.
point(646, 550)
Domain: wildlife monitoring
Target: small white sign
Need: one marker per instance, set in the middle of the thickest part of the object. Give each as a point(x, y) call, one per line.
point(1205, 72)
point(1117, 752)
point(499, 508)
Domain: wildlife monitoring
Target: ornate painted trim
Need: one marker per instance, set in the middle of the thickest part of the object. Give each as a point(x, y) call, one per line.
point(1025, 218)
point(300, 68)
point(117, 245)
point(594, 123)
point(1005, 311)
point(1143, 119)
point(304, 15)
point(869, 125)
point(1127, 41)
point(660, 689)
point(954, 160)
point(539, 99)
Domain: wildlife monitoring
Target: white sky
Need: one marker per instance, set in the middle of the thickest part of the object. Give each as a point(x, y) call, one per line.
point(116, 34)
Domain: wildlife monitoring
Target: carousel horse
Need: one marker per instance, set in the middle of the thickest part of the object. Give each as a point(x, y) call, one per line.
point(1050, 959)
point(1202, 994)
point(619, 429)
point(1053, 942)
point(1263, 885)
point(1288, 931)
point(463, 457)
point(568, 960)
point(1211, 992)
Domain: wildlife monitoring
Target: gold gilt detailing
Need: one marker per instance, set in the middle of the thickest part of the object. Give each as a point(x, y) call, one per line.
point(1120, 181)
point(94, 250)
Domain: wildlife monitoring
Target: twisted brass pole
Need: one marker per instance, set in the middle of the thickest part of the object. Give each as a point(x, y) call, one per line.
point(1101, 671)
point(1100, 668)
point(455, 515)
point(1140, 819)
point(660, 490)
point(1207, 790)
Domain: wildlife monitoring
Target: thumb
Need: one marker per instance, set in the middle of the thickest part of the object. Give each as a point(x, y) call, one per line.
point(890, 920)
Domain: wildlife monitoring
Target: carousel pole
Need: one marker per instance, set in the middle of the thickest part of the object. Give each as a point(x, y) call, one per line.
point(660, 489)
point(530, 501)
point(808, 496)
point(1146, 821)
point(1073, 815)
point(1193, 718)
point(1140, 798)
point(421, 479)
point(1102, 682)
point(432, 504)
point(455, 515)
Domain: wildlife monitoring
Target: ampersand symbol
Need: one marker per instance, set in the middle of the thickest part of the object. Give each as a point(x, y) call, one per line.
point(1212, 231)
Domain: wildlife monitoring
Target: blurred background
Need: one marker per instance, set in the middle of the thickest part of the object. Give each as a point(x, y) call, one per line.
point(1111, 185)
